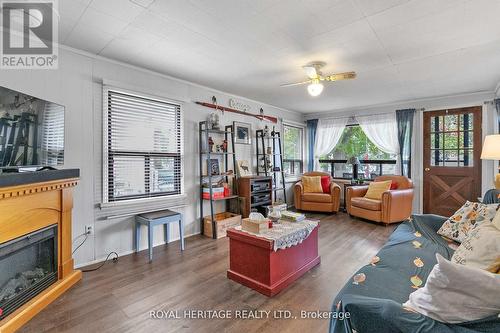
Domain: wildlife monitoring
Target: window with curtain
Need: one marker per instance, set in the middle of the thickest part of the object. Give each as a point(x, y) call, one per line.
point(293, 152)
point(143, 146)
point(355, 143)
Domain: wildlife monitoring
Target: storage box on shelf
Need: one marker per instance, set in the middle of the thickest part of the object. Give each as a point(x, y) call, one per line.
point(222, 221)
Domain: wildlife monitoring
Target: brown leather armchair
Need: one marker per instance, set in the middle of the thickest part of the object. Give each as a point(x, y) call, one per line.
point(395, 206)
point(317, 202)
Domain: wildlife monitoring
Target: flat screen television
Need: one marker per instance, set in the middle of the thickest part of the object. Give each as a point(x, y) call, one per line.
point(31, 131)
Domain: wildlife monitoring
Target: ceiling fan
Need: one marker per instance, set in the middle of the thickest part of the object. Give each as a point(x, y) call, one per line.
point(313, 71)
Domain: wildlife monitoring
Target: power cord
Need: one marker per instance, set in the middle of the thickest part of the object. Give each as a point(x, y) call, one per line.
point(115, 260)
point(86, 234)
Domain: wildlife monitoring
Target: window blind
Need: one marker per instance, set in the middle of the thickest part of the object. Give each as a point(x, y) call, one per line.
point(53, 134)
point(143, 147)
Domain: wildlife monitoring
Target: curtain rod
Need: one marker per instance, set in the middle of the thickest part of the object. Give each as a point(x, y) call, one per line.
point(371, 114)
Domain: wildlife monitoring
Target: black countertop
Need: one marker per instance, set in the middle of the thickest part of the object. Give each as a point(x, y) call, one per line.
point(21, 178)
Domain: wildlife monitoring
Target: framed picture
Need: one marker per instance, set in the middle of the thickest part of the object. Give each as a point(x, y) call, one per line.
point(243, 133)
point(213, 167)
point(244, 168)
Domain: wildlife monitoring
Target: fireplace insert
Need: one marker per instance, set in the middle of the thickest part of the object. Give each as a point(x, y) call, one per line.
point(28, 265)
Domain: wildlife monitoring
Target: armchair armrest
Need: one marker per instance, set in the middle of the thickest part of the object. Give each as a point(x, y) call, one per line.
point(397, 205)
point(335, 193)
point(353, 192)
point(298, 190)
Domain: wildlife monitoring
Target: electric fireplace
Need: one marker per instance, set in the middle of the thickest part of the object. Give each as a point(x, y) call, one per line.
point(28, 266)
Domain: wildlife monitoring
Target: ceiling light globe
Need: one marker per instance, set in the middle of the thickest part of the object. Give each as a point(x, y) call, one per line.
point(315, 89)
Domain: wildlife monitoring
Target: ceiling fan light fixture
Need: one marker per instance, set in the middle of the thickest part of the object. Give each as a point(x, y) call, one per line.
point(315, 88)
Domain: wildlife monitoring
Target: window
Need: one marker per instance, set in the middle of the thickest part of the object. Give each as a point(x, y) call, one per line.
point(53, 134)
point(293, 150)
point(355, 143)
point(143, 147)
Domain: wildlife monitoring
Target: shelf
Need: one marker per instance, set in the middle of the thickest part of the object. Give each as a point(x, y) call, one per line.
point(261, 191)
point(221, 199)
point(216, 131)
point(215, 153)
point(261, 203)
point(218, 175)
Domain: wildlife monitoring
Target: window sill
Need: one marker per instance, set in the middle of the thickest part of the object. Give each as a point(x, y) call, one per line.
point(174, 200)
point(292, 179)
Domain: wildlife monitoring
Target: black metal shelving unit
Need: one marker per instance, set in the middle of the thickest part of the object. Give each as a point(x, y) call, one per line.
point(272, 140)
point(204, 134)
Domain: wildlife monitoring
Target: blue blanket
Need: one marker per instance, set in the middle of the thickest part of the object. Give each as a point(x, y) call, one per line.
point(374, 304)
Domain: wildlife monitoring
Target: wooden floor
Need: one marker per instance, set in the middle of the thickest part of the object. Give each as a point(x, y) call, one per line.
point(120, 296)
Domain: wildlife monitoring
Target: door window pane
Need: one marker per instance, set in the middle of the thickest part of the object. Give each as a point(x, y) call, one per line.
point(451, 158)
point(451, 122)
point(451, 140)
point(436, 140)
point(467, 122)
point(436, 157)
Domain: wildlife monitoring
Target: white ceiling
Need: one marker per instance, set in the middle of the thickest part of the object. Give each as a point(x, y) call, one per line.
point(401, 49)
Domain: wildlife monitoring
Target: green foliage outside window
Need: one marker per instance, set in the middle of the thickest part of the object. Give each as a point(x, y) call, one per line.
point(355, 143)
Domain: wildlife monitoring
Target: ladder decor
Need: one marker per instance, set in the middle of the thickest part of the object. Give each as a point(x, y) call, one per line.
point(270, 159)
point(219, 174)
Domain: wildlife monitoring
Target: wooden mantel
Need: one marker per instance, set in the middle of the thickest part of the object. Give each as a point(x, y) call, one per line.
point(27, 206)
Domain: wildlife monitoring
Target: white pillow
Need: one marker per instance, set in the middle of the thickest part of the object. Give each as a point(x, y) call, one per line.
point(482, 248)
point(456, 293)
point(470, 216)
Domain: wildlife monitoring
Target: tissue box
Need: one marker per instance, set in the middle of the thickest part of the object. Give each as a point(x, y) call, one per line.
point(255, 226)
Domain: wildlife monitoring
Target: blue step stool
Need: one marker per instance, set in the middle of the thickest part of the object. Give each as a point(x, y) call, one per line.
point(162, 217)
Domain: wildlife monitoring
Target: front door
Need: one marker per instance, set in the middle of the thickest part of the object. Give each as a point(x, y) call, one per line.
point(452, 164)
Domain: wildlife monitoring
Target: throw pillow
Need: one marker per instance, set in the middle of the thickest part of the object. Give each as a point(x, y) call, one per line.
point(312, 184)
point(482, 248)
point(394, 186)
point(456, 293)
point(375, 189)
point(470, 216)
point(325, 183)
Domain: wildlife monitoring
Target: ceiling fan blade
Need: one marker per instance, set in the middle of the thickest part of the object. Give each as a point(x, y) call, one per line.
point(295, 84)
point(311, 72)
point(341, 76)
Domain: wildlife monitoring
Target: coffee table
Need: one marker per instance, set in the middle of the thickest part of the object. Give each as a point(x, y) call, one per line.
point(254, 263)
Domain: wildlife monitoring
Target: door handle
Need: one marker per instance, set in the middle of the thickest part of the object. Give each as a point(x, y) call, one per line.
point(427, 169)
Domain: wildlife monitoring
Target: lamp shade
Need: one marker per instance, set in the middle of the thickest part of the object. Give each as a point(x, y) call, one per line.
point(491, 147)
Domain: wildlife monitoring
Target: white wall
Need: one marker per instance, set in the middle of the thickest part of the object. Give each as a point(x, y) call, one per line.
point(77, 85)
point(473, 99)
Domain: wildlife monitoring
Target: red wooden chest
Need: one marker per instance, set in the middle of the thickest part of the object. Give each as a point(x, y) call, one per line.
point(253, 263)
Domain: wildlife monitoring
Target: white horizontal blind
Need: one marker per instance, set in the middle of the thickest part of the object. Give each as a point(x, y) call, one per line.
point(144, 147)
point(53, 134)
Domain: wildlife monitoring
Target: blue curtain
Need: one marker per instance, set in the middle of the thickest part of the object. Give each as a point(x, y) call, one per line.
point(312, 125)
point(405, 135)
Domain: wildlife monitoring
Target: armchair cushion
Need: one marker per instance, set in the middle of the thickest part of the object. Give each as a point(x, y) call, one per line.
point(366, 203)
point(325, 183)
point(376, 189)
point(312, 184)
point(317, 197)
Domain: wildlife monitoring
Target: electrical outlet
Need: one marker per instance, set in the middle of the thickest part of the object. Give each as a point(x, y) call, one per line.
point(89, 230)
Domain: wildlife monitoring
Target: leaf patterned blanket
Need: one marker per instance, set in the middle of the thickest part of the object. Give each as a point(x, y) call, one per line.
point(374, 295)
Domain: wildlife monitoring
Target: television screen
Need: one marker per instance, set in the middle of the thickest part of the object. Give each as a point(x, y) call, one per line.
point(31, 130)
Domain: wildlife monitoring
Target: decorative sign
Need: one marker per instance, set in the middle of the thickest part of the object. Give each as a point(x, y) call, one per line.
point(238, 105)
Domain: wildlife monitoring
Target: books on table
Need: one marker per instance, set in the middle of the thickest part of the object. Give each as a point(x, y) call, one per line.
point(292, 216)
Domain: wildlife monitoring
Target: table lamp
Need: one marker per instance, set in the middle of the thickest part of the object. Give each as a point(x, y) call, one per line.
point(491, 151)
